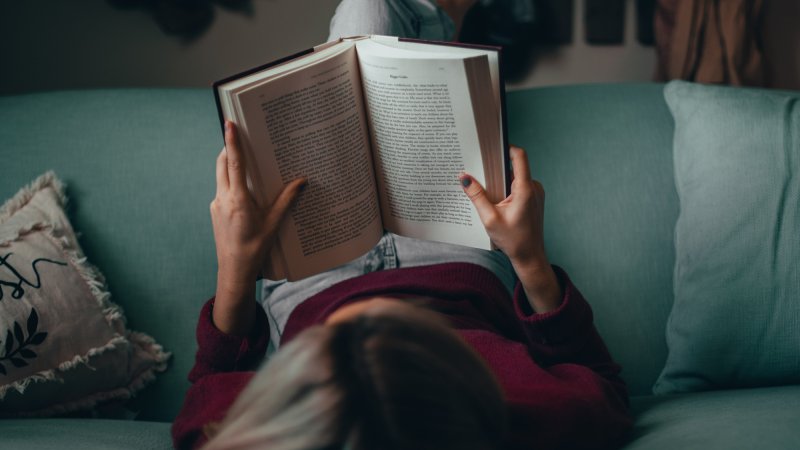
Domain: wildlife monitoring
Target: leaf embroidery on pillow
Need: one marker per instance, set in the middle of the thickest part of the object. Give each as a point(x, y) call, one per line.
point(19, 354)
point(18, 289)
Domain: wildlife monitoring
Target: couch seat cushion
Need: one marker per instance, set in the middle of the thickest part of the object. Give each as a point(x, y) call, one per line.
point(57, 434)
point(731, 419)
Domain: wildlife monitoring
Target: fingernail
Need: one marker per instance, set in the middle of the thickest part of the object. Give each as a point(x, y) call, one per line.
point(466, 181)
point(228, 125)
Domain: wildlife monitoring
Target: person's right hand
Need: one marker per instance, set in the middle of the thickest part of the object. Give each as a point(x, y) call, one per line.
point(243, 234)
point(515, 225)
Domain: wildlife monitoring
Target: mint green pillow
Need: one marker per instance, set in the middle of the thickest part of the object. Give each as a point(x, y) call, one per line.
point(736, 317)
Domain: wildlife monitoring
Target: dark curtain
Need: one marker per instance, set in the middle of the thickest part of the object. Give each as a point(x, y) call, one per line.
point(710, 41)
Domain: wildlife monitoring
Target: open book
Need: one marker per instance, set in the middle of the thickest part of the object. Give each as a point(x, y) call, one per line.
point(381, 127)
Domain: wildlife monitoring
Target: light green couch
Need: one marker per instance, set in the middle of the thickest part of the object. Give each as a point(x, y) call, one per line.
point(139, 169)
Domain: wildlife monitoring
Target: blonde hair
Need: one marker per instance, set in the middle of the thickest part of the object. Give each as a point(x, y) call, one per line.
point(398, 378)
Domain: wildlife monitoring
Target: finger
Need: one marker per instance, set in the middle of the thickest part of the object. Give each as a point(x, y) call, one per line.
point(284, 202)
point(477, 195)
point(236, 170)
point(222, 172)
point(519, 163)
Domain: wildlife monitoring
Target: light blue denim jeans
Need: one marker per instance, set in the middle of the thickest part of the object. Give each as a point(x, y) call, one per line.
point(279, 298)
point(420, 19)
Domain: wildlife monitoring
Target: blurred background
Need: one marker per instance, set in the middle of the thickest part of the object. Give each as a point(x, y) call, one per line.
point(61, 44)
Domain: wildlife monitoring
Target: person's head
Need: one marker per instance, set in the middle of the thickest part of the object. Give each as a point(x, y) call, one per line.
point(380, 374)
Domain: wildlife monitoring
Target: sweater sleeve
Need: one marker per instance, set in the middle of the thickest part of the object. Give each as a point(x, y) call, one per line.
point(566, 334)
point(219, 352)
point(223, 366)
point(566, 344)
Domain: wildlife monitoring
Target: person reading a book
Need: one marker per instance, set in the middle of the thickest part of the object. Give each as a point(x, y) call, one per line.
point(415, 345)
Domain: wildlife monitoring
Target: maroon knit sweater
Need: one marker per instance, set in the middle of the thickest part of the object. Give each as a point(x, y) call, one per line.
point(562, 388)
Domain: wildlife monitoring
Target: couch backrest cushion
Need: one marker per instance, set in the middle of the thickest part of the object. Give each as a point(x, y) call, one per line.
point(139, 171)
point(604, 156)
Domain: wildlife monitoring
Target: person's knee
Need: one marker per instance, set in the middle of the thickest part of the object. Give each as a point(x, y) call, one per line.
point(360, 17)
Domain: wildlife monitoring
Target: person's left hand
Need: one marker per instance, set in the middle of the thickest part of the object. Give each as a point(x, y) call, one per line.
point(243, 231)
point(515, 226)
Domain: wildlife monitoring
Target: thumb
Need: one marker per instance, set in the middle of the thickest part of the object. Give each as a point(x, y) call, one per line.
point(283, 202)
point(477, 195)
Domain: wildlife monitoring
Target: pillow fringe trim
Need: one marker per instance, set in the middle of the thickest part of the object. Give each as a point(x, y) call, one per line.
point(136, 384)
point(21, 198)
point(159, 359)
point(154, 349)
point(93, 278)
point(51, 374)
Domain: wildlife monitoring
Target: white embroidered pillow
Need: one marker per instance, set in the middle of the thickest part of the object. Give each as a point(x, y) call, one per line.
point(63, 344)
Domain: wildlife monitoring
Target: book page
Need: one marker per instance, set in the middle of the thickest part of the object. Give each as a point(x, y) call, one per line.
point(443, 50)
point(311, 123)
point(424, 134)
point(495, 162)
